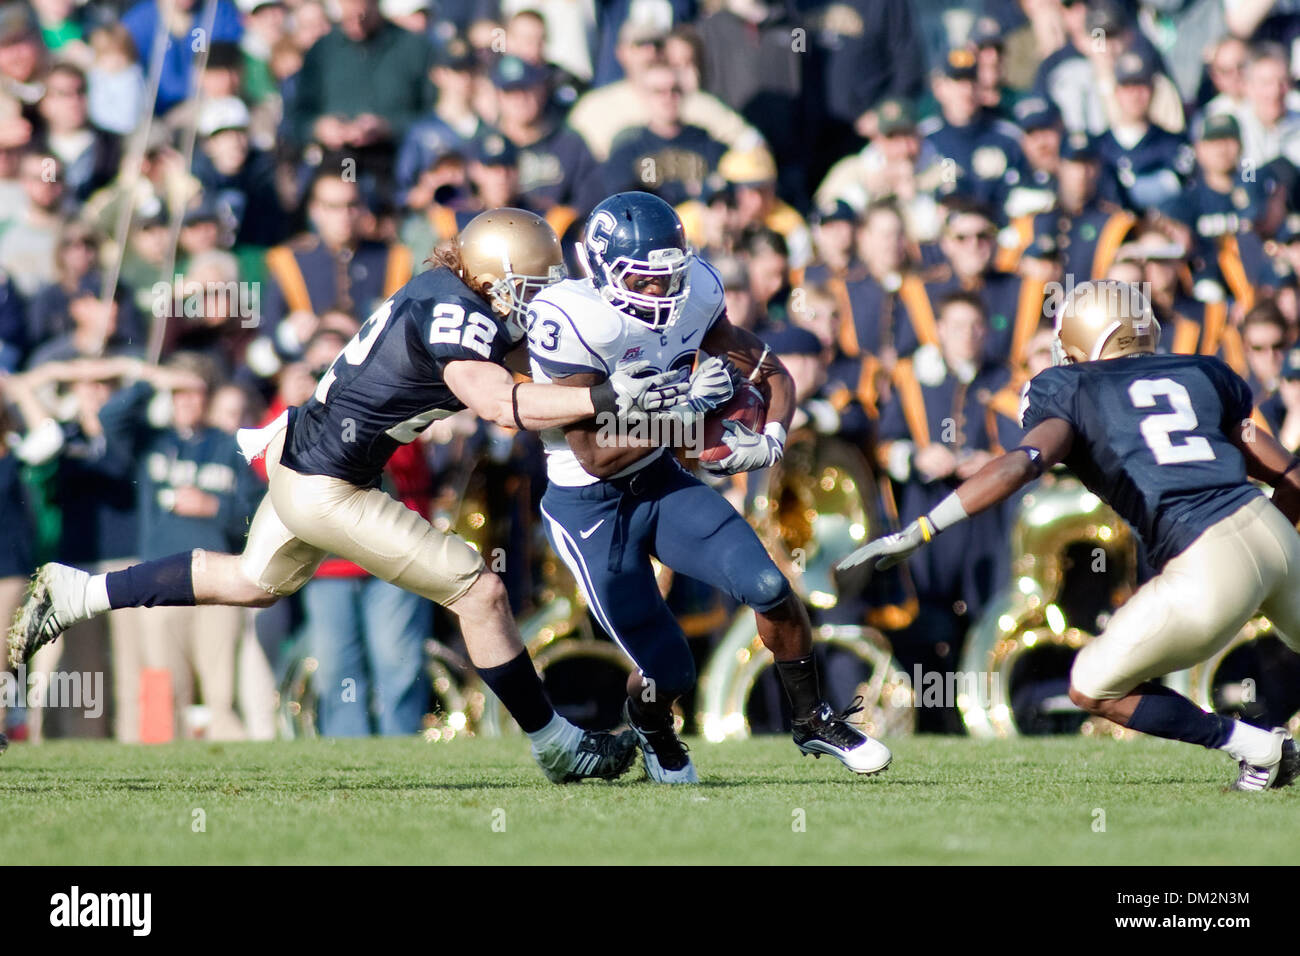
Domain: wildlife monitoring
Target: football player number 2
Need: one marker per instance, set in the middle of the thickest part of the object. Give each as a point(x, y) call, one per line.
point(1158, 430)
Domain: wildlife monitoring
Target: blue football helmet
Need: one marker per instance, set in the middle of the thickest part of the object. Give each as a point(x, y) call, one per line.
point(638, 234)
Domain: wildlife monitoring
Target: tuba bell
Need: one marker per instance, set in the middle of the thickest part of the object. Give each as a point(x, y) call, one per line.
point(814, 507)
point(1073, 562)
point(1255, 677)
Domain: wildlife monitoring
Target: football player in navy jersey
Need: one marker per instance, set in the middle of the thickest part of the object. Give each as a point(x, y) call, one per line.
point(612, 502)
point(435, 347)
point(1165, 440)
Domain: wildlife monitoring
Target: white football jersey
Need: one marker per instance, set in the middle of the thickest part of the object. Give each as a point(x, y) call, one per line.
point(572, 330)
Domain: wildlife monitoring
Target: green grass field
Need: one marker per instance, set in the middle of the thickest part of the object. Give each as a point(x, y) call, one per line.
point(408, 801)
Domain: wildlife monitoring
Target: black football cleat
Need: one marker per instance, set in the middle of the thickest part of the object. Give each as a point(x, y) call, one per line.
point(827, 732)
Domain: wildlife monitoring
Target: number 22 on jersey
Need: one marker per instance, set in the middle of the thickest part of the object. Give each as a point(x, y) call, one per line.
point(1157, 429)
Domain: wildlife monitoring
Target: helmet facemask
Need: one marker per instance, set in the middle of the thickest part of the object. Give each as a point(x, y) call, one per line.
point(510, 296)
point(659, 312)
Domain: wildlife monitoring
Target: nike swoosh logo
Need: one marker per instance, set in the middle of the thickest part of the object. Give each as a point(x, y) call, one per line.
point(592, 530)
point(688, 336)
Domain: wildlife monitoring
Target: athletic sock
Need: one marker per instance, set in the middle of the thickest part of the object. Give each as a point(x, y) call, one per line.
point(1166, 713)
point(802, 686)
point(97, 595)
point(167, 582)
point(1252, 744)
point(556, 730)
point(517, 686)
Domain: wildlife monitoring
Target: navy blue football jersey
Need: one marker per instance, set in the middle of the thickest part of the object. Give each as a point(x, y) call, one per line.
point(386, 385)
point(1151, 439)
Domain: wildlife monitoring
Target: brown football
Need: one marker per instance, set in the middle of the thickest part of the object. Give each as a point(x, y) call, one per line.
point(746, 406)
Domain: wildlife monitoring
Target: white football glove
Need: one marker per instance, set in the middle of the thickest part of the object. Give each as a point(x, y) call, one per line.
point(711, 384)
point(630, 389)
point(749, 449)
point(890, 550)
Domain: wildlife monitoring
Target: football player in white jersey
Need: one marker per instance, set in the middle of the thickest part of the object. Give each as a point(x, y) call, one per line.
point(434, 347)
point(614, 501)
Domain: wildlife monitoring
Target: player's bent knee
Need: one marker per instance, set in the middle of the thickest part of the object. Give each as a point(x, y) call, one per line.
point(767, 590)
point(1081, 700)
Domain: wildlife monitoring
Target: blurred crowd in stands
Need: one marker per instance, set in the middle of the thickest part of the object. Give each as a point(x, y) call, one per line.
point(890, 190)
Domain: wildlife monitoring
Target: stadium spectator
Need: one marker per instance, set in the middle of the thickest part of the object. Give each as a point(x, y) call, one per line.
point(333, 266)
point(452, 127)
point(1011, 305)
point(23, 57)
point(752, 175)
point(877, 327)
point(834, 236)
point(27, 246)
point(91, 492)
point(88, 156)
point(342, 102)
point(750, 65)
point(565, 29)
point(667, 157)
point(767, 262)
point(1266, 339)
point(555, 167)
point(604, 112)
point(860, 53)
point(980, 151)
point(193, 490)
point(180, 19)
point(1269, 128)
point(933, 434)
point(76, 268)
point(238, 180)
point(898, 164)
point(114, 81)
point(1143, 164)
point(1040, 125)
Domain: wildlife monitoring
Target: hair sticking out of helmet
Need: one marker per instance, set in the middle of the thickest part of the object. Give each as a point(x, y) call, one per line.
point(508, 256)
point(1104, 320)
point(631, 239)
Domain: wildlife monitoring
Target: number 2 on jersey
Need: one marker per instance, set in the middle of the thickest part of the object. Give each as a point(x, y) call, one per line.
point(355, 352)
point(1157, 429)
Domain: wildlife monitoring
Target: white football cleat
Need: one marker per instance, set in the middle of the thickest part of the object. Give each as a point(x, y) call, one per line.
point(667, 759)
point(1278, 772)
point(827, 732)
point(56, 600)
point(579, 754)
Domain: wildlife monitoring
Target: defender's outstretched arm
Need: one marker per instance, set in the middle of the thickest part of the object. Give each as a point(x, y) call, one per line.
point(492, 393)
point(1043, 446)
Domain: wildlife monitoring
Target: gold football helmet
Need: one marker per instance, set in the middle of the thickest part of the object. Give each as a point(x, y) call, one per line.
point(509, 255)
point(1103, 320)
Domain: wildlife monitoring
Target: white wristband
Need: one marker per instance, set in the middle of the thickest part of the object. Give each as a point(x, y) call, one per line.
point(775, 430)
point(947, 513)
